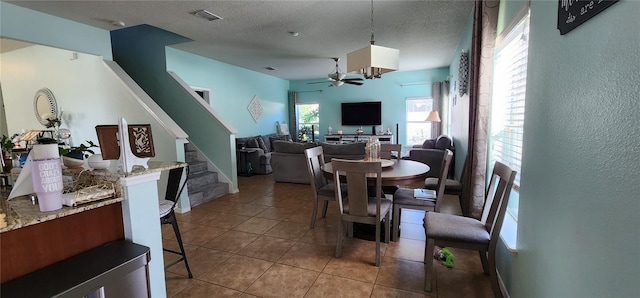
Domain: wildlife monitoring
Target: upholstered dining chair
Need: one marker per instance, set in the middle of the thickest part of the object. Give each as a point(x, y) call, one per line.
point(358, 206)
point(386, 150)
point(322, 189)
point(167, 213)
point(447, 230)
point(405, 198)
point(451, 186)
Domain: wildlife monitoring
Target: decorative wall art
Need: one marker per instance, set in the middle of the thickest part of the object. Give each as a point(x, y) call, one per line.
point(572, 13)
point(140, 141)
point(255, 108)
point(463, 73)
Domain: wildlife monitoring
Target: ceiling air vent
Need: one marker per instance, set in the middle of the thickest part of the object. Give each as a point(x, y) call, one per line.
point(206, 15)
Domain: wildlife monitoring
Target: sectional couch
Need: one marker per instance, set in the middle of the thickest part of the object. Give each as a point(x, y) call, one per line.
point(260, 155)
point(289, 164)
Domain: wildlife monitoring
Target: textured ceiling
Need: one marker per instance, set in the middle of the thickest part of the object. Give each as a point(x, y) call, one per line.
point(255, 34)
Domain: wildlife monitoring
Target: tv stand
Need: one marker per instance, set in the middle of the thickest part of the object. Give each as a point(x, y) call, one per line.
point(352, 138)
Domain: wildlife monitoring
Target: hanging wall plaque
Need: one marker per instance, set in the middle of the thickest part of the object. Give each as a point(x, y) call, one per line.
point(572, 13)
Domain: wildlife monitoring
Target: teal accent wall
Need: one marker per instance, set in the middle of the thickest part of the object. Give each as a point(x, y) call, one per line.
point(36, 27)
point(459, 105)
point(232, 89)
point(140, 51)
point(579, 202)
point(388, 90)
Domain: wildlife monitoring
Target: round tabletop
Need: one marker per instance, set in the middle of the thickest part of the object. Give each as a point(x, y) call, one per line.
point(402, 172)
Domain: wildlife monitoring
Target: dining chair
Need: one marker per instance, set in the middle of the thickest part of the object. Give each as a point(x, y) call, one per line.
point(386, 151)
point(358, 206)
point(322, 189)
point(430, 201)
point(448, 230)
point(451, 186)
point(167, 213)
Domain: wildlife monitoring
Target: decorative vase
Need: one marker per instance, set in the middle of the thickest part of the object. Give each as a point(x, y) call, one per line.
point(359, 131)
point(96, 162)
point(329, 130)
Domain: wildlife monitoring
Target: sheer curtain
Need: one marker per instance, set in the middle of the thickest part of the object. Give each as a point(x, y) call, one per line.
point(436, 95)
point(482, 52)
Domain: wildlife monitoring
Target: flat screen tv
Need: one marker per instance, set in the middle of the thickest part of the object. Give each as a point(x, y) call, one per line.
point(362, 113)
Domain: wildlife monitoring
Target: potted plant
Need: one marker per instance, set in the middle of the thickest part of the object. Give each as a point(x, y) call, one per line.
point(7, 147)
point(73, 157)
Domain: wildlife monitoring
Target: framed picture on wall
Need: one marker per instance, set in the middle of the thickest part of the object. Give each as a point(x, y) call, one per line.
point(140, 140)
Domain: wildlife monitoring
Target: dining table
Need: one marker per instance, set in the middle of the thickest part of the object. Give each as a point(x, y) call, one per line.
point(394, 172)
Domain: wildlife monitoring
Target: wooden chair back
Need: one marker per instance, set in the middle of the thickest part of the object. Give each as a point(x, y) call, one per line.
point(386, 151)
point(315, 161)
point(356, 174)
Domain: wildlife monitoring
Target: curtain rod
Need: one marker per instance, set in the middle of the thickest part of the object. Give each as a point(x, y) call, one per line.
point(414, 84)
point(308, 91)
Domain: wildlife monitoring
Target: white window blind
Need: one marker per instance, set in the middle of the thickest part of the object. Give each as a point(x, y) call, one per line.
point(418, 130)
point(508, 103)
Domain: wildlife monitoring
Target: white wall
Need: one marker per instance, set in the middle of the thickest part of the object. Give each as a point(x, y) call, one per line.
point(84, 88)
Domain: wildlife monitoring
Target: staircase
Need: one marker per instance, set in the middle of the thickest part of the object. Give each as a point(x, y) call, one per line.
point(203, 184)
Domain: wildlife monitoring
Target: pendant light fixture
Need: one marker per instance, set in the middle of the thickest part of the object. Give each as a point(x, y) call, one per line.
point(372, 61)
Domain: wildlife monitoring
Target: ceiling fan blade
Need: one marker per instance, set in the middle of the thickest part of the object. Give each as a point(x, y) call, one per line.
point(354, 79)
point(353, 83)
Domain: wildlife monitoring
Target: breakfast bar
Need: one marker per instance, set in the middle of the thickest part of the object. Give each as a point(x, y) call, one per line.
point(33, 240)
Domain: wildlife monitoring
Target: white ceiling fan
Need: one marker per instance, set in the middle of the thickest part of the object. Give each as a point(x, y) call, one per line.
point(338, 78)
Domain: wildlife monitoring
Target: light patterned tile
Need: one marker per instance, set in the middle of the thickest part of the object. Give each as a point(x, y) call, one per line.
point(283, 281)
point(308, 256)
point(238, 272)
point(335, 286)
point(267, 248)
point(231, 241)
point(200, 289)
point(256, 225)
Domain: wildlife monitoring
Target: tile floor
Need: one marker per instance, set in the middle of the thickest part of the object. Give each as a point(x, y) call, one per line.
point(257, 243)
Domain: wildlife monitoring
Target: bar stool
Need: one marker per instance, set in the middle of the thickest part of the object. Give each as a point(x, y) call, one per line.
point(168, 216)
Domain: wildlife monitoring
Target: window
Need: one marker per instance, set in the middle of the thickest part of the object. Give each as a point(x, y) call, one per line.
point(508, 103)
point(418, 129)
point(308, 117)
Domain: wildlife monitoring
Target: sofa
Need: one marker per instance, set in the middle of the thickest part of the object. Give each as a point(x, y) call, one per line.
point(260, 155)
point(431, 153)
point(289, 163)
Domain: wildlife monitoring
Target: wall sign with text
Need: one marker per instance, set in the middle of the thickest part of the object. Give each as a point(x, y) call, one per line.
point(572, 13)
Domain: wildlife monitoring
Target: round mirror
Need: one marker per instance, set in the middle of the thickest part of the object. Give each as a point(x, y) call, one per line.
point(45, 106)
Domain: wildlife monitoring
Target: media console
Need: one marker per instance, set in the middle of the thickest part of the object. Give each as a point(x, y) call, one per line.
point(351, 138)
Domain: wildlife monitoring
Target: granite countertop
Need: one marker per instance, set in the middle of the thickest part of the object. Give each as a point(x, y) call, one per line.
point(20, 212)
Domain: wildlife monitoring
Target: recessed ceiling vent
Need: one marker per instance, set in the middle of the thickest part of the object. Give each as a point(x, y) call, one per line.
point(206, 15)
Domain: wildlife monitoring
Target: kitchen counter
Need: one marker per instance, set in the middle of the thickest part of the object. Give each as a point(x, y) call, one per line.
point(21, 212)
point(34, 239)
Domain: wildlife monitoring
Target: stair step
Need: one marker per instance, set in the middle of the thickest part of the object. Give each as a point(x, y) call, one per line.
point(203, 185)
point(214, 191)
point(200, 180)
point(197, 167)
point(190, 156)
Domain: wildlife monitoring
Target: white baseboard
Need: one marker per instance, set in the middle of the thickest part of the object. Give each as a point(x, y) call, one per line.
point(503, 288)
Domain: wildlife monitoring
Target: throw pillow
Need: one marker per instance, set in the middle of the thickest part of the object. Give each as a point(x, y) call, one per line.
point(286, 138)
point(252, 143)
point(429, 144)
point(262, 145)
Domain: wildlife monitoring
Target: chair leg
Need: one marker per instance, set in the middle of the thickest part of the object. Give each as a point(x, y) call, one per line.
point(396, 223)
point(493, 274)
point(428, 263)
point(350, 229)
point(387, 228)
point(324, 209)
point(378, 244)
point(176, 230)
point(340, 238)
point(485, 264)
point(314, 213)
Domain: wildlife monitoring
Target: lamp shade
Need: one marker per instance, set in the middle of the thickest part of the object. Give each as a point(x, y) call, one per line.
point(433, 117)
point(372, 61)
